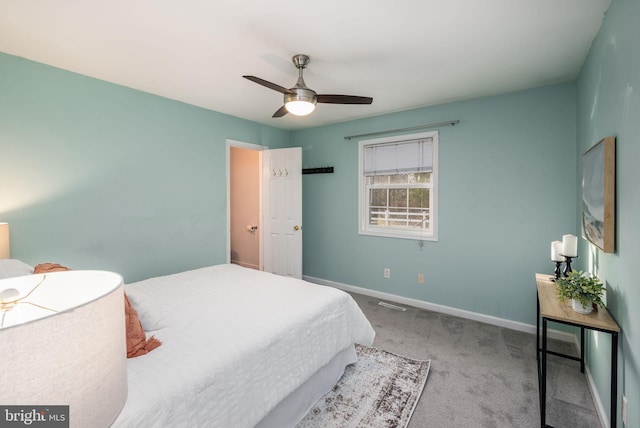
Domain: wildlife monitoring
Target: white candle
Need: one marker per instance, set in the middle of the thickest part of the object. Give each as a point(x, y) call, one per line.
point(556, 250)
point(569, 245)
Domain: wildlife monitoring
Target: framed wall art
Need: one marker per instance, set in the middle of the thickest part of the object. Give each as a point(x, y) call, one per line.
point(599, 194)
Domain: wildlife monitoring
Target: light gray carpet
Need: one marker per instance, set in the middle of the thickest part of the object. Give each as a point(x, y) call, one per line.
point(481, 375)
point(380, 391)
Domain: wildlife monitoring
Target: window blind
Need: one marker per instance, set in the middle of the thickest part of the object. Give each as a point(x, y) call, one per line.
point(401, 157)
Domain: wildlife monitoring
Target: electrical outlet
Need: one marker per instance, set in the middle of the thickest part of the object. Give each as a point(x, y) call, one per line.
point(624, 411)
point(387, 273)
point(420, 278)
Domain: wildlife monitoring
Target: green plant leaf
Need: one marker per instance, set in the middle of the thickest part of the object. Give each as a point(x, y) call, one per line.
point(585, 288)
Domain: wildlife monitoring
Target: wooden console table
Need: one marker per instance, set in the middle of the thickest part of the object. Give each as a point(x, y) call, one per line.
point(549, 308)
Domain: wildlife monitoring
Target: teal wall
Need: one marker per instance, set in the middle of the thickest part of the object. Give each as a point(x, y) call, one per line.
point(99, 176)
point(608, 94)
point(507, 177)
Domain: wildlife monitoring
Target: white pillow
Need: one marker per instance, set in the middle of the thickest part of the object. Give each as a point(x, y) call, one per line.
point(10, 268)
point(151, 318)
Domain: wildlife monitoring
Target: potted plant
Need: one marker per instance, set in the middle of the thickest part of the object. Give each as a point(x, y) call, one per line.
point(582, 289)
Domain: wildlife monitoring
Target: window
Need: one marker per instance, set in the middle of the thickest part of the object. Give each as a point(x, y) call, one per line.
point(398, 186)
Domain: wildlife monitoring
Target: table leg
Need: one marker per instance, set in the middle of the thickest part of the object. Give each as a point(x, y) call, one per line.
point(543, 380)
point(614, 379)
point(538, 329)
point(581, 349)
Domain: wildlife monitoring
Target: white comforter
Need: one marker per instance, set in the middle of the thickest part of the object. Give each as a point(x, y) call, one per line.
point(235, 342)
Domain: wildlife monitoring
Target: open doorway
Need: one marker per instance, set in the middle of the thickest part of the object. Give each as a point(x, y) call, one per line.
point(264, 208)
point(244, 204)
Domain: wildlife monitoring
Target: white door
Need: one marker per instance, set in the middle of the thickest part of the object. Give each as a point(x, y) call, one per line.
point(282, 211)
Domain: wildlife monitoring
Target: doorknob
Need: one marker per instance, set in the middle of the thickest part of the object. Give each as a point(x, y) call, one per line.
point(296, 227)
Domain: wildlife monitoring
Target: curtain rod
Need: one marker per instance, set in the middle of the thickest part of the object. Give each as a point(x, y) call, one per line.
point(431, 125)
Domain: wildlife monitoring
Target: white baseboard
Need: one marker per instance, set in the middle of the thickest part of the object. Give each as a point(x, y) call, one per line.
point(487, 319)
point(245, 264)
point(602, 413)
point(597, 401)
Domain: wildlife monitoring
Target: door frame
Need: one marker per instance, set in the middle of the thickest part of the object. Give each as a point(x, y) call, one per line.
point(243, 145)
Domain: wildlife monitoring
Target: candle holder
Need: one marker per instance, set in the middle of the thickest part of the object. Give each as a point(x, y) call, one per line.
point(557, 271)
point(567, 268)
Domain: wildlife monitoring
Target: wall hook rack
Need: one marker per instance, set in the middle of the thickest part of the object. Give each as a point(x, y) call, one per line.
point(321, 170)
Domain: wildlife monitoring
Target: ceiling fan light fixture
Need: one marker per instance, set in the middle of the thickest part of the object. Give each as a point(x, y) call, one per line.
point(300, 100)
point(301, 103)
point(300, 108)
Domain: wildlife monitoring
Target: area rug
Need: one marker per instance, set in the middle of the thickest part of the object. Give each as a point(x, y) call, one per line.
point(381, 390)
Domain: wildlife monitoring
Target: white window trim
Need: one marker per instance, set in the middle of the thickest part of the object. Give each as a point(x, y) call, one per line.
point(363, 227)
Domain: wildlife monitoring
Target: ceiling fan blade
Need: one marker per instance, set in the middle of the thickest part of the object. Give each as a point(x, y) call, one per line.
point(281, 112)
point(268, 84)
point(343, 99)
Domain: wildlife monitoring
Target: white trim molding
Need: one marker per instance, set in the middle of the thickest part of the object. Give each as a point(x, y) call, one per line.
point(602, 413)
point(245, 264)
point(475, 316)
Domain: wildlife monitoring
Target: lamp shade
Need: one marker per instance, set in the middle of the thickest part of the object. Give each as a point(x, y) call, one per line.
point(75, 356)
point(5, 247)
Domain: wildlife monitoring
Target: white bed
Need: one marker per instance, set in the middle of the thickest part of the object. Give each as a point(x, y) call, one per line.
point(241, 348)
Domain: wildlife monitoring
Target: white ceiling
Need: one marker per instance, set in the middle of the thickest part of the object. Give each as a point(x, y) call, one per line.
point(405, 54)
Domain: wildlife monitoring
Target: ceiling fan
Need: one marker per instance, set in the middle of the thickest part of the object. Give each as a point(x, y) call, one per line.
point(301, 100)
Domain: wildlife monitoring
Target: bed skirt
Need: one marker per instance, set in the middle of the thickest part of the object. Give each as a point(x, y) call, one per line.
point(296, 405)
